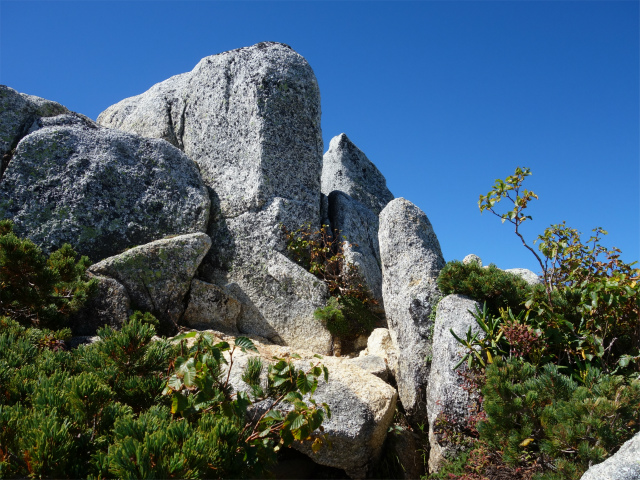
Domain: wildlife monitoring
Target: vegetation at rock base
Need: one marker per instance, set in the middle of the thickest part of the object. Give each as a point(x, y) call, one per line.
point(556, 364)
point(38, 290)
point(351, 310)
point(129, 405)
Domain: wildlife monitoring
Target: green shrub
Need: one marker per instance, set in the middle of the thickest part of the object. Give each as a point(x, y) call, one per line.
point(561, 360)
point(542, 414)
point(351, 310)
point(496, 288)
point(37, 290)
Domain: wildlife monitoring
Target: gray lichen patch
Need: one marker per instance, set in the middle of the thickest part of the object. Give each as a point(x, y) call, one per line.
point(101, 190)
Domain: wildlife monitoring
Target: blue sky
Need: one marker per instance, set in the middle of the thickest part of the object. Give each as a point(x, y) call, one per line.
point(443, 96)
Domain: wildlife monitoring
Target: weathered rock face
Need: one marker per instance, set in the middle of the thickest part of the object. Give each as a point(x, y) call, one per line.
point(157, 275)
point(381, 345)
point(447, 399)
point(526, 274)
point(209, 307)
point(359, 225)
point(108, 306)
point(471, 258)
point(250, 118)
point(71, 181)
point(347, 169)
point(362, 408)
point(624, 465)
point(278, 300)
point(411, 261)
point(18, 113)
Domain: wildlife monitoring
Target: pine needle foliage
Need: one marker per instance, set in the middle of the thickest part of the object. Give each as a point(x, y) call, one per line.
point(38, 290)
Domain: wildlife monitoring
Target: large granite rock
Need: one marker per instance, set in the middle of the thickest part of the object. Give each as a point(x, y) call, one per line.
point(448, 398)
point(250, 118)
point(359, 226)
point(18, 113)
point(411, 261)
point(157, 275)
point(362, 408)
point(527, 275)
point(209, 307)
point(71, 181)
point(108, 306)
point(347, 169)
point(623, 465)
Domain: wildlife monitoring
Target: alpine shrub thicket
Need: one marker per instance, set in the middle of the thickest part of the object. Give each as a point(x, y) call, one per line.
point(37, 290)
point(131, 405)
point(557, 364)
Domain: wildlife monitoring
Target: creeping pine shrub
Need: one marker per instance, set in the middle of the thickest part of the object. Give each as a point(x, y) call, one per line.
point(496, 288)
point(131, 407)
point(565, 424)
point(561, 360)
point(36, 290)
point(351, 310)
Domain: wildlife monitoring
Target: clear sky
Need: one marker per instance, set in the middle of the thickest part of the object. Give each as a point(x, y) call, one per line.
point(443, 96)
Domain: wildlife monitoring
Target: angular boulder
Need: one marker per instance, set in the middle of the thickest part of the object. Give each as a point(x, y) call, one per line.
point(108, 306)
point(157, 275)
point(526, 274)
point(347, 169)
point(449, 400)
point(209, 307)
point(359, 227)
point(623, 465)
point(411, 261)
point(381, 345)
point(18, 113)
point(102, 191)
point(362, 408)
point(250, 118)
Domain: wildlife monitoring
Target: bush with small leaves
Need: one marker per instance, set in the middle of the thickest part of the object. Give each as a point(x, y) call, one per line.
point(351, 310)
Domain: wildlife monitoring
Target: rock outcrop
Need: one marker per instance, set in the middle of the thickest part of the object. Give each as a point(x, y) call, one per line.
point(108, 306)
point(71, 181)
point(362, 408)
point(18, 114)
point(448, 401)
point(347, 169)
point(209, 307)
point(623, 465)
point(157, 275)
point(250, 118)
point(359, 226)
point(411, 261)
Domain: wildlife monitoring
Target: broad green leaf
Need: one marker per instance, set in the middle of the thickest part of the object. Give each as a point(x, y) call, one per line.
point(184, 336)
point(245, 344)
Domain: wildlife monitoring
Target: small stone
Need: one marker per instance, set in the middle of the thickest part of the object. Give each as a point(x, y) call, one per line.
point(471, 258)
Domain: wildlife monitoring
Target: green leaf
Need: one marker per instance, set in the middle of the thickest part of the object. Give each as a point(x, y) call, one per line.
point(245, 344)
point(276, 415)
point(184, 336)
